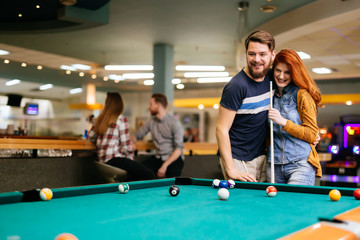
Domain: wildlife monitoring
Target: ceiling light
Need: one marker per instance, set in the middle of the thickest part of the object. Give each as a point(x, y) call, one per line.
point(216, 106)
point(201, 106)
point(12, 82)
point(116, 77)
point(23, 64)
point(322, 70)
point(39, 67)
point(75, 90)
point(37, 6)
point(68, 72)
point(66, 67)
point(213, 80)
point(128, 67)
point(46, 86)
point(199, 68)
point(303, 55)
point(4, 52)
point(180, 86)
point(176, 81)
point(93, 76)
point(268, 9)
point(349, 103)
point(149, 82)
point(6, 61)
point(116, 81)
point(137, 75)
point(81, 74)
point(105, 78)
point(81, 66)
point(205, 74)
point(68, 2)
point(20, 15)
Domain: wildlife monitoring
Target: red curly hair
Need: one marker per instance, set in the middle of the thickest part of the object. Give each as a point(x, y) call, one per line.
point(299, 73)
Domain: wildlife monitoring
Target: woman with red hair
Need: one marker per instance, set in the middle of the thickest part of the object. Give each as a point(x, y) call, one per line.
point(294, 111)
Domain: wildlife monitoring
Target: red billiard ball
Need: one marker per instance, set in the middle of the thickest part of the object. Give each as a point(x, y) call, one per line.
point(271, 191)
point(357, 194)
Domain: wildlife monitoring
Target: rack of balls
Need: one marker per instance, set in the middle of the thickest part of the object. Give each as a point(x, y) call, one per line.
point(174, 190)
point(123, 188)
point(223, 183)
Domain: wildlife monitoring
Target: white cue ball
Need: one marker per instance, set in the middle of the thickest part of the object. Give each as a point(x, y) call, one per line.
point(223, 194)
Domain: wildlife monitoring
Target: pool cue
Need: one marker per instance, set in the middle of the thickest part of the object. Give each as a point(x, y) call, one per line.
point(272, 171)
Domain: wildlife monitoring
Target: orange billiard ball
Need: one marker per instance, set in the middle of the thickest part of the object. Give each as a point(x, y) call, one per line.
point(357, 194)
point(66, 236)
point(334, 195)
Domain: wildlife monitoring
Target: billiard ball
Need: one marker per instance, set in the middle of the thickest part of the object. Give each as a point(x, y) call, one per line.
point(174, 190)
point(271, 191)
point(231, 183)
point(66, 236)
point(223, 184)
point(216, 183)
point(124, 188)
point(46, 194)
point(223, 193)
point(334, 195)
point(357, 194)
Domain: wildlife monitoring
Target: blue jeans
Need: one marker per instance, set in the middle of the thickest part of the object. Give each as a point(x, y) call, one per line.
point(298, 173)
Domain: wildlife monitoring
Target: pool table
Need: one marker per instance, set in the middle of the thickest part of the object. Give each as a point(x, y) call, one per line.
point(148, 211)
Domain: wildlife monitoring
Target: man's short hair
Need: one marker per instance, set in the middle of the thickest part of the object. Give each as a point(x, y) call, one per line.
point(160, 98)
point(261, 37)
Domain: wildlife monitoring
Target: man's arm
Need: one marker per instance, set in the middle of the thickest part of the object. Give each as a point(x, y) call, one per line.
point(178, 139)
point(173, 157)
point(224, 122)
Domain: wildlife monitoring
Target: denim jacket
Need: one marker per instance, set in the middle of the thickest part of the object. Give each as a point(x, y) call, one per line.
point(288, 148)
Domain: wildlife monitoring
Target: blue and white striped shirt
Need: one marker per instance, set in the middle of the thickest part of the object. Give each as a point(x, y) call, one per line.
point(251, 101)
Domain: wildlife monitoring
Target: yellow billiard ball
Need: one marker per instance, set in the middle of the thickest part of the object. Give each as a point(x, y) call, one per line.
point(46, 194)
point(334, 195)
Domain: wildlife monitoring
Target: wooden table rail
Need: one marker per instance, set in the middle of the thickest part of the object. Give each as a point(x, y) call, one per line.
point(189, 147)
point(15, 143)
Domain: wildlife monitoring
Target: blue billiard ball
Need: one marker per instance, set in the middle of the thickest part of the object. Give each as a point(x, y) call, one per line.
point(223, 184)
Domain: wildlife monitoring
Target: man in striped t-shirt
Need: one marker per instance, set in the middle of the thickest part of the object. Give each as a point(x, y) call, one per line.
point(241, 127)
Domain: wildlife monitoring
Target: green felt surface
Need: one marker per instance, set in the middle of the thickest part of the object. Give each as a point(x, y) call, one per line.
point(151, 213)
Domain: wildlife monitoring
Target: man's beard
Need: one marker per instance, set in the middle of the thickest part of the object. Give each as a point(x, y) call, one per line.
point(256, 75)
